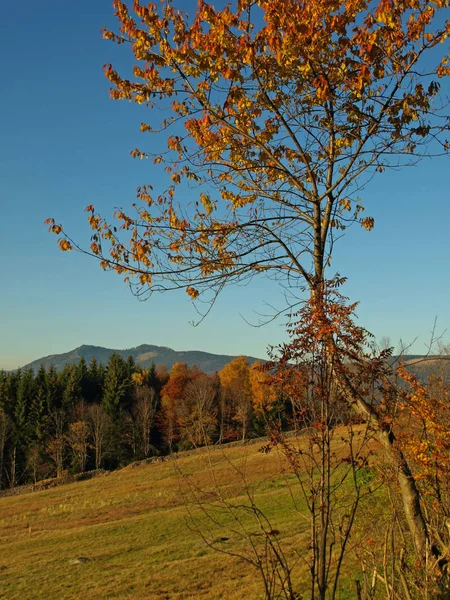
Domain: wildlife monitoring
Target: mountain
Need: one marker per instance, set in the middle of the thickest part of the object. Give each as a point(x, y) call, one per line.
point(143, 355)
point(427, 366)
point(147, 354)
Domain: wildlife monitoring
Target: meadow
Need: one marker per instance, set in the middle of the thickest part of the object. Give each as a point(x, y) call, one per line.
point(145, 537)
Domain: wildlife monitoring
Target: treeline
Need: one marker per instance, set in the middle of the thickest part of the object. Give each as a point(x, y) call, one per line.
point(94, 416)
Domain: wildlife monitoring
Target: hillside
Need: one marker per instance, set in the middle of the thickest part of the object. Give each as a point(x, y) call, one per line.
point(144, 355)
point(424, 367)
point(135, 533)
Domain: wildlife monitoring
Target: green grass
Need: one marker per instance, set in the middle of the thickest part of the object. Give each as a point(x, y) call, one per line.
point(134, 527)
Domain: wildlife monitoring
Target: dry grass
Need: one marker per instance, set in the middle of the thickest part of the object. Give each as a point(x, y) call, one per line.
point(133, 527)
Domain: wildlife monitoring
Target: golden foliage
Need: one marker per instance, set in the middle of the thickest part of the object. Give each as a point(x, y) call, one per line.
point(279, 111)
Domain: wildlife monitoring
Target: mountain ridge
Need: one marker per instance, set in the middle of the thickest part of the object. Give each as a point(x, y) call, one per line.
point(144, 355)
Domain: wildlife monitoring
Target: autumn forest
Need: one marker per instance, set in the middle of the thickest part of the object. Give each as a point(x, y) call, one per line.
point(91, 416)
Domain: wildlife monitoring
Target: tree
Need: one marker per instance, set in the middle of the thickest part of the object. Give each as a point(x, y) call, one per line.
point(282, 111)
point(144, 412)
point(235, 380)
point(78, 436)
point(26, 392)
point(57, 444)
point(5, 429)
point(330, 480)
point(94, 382)
point(72, 392)
point(283, 107)
point(56, 450)
point(423, 423)
point(22, 427)
point(39, 406)
point(117, 386)
point(54, 390)
point(36, 464)
point(172, 395)
point(83, 378)
point(100, 426)
point(198, 411)
point(263, 393)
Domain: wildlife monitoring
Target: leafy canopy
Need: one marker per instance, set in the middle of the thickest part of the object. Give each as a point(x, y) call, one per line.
point(280, 112)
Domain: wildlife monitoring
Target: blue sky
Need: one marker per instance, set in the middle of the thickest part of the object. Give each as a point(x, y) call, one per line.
point(64, 144)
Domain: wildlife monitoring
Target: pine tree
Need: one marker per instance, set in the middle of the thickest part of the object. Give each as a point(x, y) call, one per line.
point(117, 397)
point(72, 390)
point(83, 377)
point(54, 390)
point(9, 383)
point(26, 391)
point(3, 390)
point(95, 376)
point(39, 408)
point(117, 390)
point(22, 431)
point(131, 365)
point(5, 430)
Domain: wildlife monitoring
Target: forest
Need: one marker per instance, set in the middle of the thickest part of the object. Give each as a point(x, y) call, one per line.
point(91, 416)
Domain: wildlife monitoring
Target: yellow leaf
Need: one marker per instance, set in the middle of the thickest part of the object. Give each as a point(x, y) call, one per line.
point(65, 245)
point(193, 293)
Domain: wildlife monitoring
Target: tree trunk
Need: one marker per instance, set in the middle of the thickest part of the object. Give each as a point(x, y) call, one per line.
point(12, 481)
point(409, 492)
point(408, 489)
point(222, 416)
point(3, 436)
point(98, 453)
point(1, 465)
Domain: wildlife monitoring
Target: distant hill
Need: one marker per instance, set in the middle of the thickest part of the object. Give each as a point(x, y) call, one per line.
point(146, 354)
point(143, 355)
point(425, 366)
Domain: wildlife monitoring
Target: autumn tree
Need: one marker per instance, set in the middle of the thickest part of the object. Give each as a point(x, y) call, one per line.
point(100, 425)
point(267, 400)
point(237, 389)
point(282, 111)
point(78, 436)
point(144, 412)
point(331, 480)
point(198, 411)
point(35, 462)
point(56, 450)
point(56, 447)
point(172, 395)
point(423, 423)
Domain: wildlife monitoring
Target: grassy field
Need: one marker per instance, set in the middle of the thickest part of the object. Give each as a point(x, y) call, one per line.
point(134, 527)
